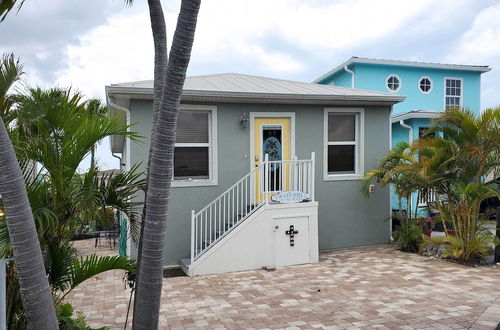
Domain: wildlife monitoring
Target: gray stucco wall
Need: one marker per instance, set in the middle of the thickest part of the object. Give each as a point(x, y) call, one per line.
point(346, 217)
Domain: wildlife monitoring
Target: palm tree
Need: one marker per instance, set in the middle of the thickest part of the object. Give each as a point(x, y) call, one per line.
point(169, 80)
point(10, 72)
point(95, 106)
point(35, 290)
point(456, 165)
point(55, 129)
point(169, 76)
point(453, 165)
point(393, 170)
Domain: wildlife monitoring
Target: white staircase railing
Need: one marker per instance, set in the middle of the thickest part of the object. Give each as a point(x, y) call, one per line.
point(238, 202)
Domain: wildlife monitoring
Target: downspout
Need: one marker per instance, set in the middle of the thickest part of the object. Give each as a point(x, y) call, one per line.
point(119, 158)
point(127, 141)
point(353, 75)
point(126, 160)
point(410, 140)
point(410, 130)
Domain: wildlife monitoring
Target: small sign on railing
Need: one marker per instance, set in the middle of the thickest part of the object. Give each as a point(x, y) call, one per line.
point(293, 196)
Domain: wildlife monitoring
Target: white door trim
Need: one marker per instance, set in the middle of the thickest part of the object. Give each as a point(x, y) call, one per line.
point(254, 115)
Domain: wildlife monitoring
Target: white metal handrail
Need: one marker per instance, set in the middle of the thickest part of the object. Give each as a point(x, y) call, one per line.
point(425, 197)
point(244, 197)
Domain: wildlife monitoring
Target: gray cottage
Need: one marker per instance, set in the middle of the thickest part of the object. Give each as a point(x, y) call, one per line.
point(266, 171)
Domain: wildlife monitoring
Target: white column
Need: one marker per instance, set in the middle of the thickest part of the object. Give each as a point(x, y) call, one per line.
point(313, 164)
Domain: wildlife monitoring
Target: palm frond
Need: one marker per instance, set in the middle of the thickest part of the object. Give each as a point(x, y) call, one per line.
point(84, 268)
point(7, 5)
point(10, 72)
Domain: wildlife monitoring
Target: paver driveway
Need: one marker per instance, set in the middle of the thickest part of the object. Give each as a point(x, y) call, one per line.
point(369, 287)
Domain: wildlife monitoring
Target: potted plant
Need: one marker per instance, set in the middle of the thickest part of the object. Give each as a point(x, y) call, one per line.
point(426, 224)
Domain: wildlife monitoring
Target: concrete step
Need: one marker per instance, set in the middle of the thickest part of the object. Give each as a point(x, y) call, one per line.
point(185, 263)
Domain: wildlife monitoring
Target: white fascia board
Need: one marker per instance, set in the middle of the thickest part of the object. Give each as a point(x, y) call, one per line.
point(415, 115)
point(221, 96)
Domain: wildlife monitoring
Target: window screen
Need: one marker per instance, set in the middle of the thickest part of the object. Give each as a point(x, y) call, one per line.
point(191, 163)
point(342, 135)
point(192, 147)
point(192, 127)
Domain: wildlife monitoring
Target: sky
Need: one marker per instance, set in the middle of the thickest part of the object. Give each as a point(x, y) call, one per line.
point(89, 44)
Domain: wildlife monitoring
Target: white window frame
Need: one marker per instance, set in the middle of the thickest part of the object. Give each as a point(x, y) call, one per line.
point(359, 152)
point(387, 83)
point(430, 80)
point(461, 90)
point(212, 147)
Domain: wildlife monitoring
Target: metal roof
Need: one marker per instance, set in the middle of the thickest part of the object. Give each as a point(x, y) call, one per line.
point(355, 59)
point(233, 87)
point(415, 114)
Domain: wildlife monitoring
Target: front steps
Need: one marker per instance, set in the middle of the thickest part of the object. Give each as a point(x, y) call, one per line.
point(260, 240)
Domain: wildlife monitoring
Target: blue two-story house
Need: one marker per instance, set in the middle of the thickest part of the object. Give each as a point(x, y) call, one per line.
point(429, 89)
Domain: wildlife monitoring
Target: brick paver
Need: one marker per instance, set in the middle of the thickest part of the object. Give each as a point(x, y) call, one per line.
point(360, 288)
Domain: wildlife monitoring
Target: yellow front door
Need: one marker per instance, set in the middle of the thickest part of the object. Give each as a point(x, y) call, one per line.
point(272, 136)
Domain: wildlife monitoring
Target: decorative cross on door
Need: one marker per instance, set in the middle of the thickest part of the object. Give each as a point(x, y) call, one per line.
point(292, 233)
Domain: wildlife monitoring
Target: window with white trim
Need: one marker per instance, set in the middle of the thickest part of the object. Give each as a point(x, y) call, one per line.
point(453, 92)
point(393, 83)
point(425, 85)
point(194, 146)
point(343, 148)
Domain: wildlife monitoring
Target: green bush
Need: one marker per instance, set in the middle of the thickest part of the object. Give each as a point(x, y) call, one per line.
point(408, 236)
point(69, 321)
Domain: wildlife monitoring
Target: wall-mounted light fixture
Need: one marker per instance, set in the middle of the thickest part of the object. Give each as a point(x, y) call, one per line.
point(243, 121)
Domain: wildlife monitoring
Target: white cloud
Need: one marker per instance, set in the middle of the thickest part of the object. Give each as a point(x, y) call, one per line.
point(481, 45)
point(238, 32)
point(482, 41)
point(121, 50)
point(284, 37)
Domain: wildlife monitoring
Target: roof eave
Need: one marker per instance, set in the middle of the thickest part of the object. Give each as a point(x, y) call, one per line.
point(197, 95)
point(458, 67)
point(415, 115)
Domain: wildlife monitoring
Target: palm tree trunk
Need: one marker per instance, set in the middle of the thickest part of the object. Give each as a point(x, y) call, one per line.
point(160, 172)
point(35, 290)
point(92, 157)
point(159, 32)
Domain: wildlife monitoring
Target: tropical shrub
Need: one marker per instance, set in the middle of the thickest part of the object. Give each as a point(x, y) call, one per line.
point(68, 320)
point(55, 130)
point(452, 165)
point(408, 236)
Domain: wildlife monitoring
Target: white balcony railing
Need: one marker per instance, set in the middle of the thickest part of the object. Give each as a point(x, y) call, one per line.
point(238, 202)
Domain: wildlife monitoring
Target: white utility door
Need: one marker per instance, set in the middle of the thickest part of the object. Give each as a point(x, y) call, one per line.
point(291, 241)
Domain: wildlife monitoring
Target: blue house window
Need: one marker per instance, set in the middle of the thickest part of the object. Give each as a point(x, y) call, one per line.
point(453, 92)
point(425, 85)
point(393, 83)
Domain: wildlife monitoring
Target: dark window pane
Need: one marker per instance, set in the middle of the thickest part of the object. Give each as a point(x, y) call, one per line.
point(191, 163)
point(341, 127)
point(341, 159)
point(425, 85)
point(272, 143)
point(192, 127)
point(422, 133)
point(393, 83)
point(458, 83)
